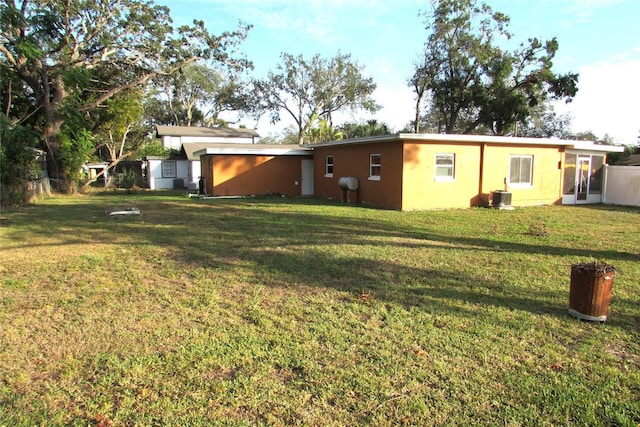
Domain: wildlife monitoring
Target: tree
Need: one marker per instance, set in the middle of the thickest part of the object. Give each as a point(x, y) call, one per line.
point(118, 129)
point(315, 88)
point(17, 161)
point(361, 130)
point(476, 86)
point(421, 82)
point(60, 49)
point(322, 131)
point(288, 135)
point(544, 122)
point(199, 94)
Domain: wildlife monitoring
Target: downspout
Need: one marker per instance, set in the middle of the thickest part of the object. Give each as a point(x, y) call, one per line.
point(480, 178)
point(563, 168)
point(604, 182)
point(209, 185)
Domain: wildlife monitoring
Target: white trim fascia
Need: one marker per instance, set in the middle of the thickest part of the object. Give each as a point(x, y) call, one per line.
point(600, 148)
point(490, 139)
point(254, 151)
point(215, 140)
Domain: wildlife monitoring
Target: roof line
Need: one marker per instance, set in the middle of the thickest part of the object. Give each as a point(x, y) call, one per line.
point(585, 145)
point(255, 150)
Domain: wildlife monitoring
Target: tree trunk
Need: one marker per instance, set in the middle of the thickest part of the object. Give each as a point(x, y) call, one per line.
point(54, 166)
point(53, 94)
point(418, 115)
point(110, 167)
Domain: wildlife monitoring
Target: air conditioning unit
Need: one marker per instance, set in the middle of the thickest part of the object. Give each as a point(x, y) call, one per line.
point(501, 199)
point(178, 183)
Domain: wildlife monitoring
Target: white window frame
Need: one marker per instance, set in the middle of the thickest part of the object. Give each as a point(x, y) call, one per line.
point(372, 166)
point(327, 165)
point(169, 172)
point(449, 167)
point(521, 184)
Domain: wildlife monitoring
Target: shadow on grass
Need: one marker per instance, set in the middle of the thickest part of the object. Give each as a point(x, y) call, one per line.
point(429, 289)
point(282, 244)
point(190, 221)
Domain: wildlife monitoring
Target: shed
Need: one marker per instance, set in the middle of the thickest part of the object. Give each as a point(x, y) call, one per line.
point(241, 169)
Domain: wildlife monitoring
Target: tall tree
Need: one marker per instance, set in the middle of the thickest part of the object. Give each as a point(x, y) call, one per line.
point(61, 49)
point(474, 84)
point(307, 89)
point(198, 95)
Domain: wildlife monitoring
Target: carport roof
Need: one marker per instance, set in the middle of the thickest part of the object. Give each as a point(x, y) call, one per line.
point(195, 150)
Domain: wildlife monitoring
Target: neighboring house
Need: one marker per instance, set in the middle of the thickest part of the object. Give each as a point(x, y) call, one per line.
point(633, 160)
point(176, 136)
point(183, 170)
point(163, 174)
point(413, 171)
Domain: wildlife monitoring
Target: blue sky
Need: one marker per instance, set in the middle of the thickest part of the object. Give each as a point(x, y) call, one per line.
point(599, 39)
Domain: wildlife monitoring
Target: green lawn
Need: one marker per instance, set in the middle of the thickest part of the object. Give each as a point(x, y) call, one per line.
point(269, 311)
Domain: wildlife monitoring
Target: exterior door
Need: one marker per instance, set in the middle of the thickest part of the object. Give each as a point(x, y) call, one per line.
point(307, 177)
point(582, 179)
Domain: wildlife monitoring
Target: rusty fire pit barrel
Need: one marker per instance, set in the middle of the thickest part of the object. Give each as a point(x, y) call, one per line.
point(590, 292)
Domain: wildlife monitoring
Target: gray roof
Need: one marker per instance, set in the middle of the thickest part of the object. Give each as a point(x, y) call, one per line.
point(633, 160)
point(206, 132)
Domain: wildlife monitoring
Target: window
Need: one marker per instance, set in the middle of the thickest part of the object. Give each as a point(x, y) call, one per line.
point(328, 168)
point(569, 184)
point(375, 165)
point(595, 180)
point(445, 166)
point(169, 169)
point(520, 171)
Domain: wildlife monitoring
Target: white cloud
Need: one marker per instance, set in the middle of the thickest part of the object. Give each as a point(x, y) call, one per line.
point(398, 102)
point(582, 11)
point(608, 100)
point(328, 22)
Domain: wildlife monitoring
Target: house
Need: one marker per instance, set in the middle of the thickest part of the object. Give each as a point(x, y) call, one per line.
point(400, 171)
point(182, 170)
point(427, 171)
point(633, 160)
point(176, 136)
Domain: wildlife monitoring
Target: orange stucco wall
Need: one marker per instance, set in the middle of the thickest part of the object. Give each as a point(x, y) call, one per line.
point(423, 190)
point(547, 176)
point(241, 175)
point(408, 180)
point(353, 160)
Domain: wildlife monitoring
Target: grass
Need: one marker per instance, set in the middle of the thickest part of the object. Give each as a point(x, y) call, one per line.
point(301, 312)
